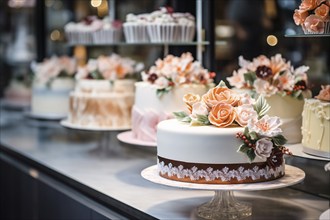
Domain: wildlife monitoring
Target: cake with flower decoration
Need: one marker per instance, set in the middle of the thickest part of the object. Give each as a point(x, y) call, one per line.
point(313, 16)
point(52, 83)
point(104, 93)
point(224, 137)
point(283, 86)
point(316, 124)
point(161, 91)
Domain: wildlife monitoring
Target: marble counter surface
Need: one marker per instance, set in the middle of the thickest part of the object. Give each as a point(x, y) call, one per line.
point(113, 170)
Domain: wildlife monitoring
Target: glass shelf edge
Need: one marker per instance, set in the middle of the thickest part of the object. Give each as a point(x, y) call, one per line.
point(143, 44)
point(307, 35)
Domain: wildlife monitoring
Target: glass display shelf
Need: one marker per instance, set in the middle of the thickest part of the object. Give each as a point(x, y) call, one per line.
point(307, 35)
point(194, 43)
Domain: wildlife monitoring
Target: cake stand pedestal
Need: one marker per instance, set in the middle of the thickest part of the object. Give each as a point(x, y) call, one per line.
point(224, 205)
point(108, 144)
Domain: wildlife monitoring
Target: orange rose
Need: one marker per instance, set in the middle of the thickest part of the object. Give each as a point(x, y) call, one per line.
point(323, 12)
point(222, 115)
point(307, 5)
point(299, 16)
point(190, 99)
point(220, 94)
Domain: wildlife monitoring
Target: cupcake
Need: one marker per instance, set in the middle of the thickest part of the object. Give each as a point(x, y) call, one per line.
point(135, 28)
point(166, 26)
point(110, 32)
point(82, 32)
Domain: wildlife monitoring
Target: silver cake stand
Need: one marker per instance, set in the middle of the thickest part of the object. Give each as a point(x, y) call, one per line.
point(108, 143)
point(224, 204)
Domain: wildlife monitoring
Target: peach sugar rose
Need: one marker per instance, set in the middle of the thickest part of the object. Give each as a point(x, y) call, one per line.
point(324, 94)
point(222, 115)
point(190, 99)
point(313, 16)
point(220, 94)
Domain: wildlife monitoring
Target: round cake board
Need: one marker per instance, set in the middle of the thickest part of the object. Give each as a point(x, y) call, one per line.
point(128, 138)
point(297, 150)
point(33, 115)
point(224, 205)
point(67, 124)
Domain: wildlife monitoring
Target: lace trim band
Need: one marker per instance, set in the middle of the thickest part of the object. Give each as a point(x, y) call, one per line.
point(218, 173)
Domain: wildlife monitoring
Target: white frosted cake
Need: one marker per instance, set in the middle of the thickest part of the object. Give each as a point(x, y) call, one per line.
point(54, 80)
point(316, 124)
point(102, 103)
point(51, 99)
point(162, 90)
point(284, 87)
point(225, 138)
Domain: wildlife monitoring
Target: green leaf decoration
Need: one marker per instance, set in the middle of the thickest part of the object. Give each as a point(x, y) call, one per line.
point(243, 148)
point(203, 119)
point(248, 151)
point(96, 75)
point(298, 94)
point(222, 84)
point(279, 140)
point(251, 155)
point(253, 135)
point(250, 77)
point(246, 132)
point(161, 92)
point(261, 106)
point(180, 115)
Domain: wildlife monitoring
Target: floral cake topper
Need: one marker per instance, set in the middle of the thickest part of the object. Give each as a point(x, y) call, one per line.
point(109, 68)
point(223, 107)
point(174, 71)
point(269, 76)
point(54, 67)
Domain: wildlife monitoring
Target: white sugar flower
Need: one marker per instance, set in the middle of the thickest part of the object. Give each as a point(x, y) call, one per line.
point(237, 80)
point(244, 113)
point(266, 126)
point(162, 83)
point(264, 148)
point(286, 81)
point(92, 65)
point(199, 108)
point(82, 73)
point(246, 99)
point(264, 87)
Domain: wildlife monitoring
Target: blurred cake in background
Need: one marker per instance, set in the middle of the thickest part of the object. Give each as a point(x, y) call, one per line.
point(316, 124)
point(168, 26)
point(110, 32)
point(162, 89)
point(135, 28)
point(52, 83)
point(283, 86)
point(82, 32)
point(160, 26)
point(18, 93)
point(104, 93)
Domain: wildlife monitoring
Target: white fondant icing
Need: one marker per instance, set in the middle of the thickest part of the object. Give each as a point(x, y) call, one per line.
point(316, 127)
point(51, 99)
point(199, 144)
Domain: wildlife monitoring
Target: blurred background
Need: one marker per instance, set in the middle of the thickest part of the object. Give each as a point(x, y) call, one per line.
point(34, 29)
